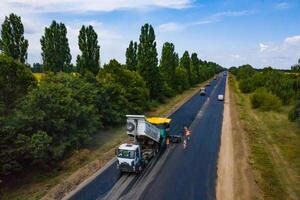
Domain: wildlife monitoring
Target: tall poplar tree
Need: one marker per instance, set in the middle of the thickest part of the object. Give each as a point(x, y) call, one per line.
point(195, 67)
point(147, 61)
point(12, 42)
point(55, 48)
point(168, 63)
point(186, 63)
point(131, 56)
point(89, 60)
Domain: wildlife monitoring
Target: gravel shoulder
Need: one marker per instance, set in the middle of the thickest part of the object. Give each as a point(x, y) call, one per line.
point(235, 179)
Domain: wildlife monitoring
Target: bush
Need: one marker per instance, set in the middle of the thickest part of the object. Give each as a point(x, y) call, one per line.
point(122, 91)
point(295, 112)
point(265, 100)
point(55, 117)
point(245, 71)
point(15, 81)
point(246, 86)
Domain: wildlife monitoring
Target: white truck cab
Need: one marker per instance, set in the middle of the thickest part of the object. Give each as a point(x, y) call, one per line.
point(129, 158)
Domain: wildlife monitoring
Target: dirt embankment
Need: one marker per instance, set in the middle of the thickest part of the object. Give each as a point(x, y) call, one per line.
point(235, 179)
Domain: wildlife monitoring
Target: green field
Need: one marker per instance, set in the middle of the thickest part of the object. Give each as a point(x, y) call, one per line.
point(274, 144)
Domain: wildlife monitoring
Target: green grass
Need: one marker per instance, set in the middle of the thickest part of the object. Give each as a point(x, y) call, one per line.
point(35, 184)
point(274, 144)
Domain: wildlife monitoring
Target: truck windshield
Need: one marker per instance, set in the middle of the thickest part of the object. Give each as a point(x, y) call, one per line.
point(122, 153)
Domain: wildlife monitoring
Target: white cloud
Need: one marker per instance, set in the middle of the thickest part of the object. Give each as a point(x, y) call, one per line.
point(221, 15)
point(232, 14)
point(281, 53)
point(288, 44)
point(293, 40)
point(235, 56)
point(170, 27)
point(21, 6)
point(202, 22)
point(282, 6)
point(263, 47)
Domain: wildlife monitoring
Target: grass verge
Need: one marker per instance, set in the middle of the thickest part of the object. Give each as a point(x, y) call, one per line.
point(274, 148)
point(82, 163)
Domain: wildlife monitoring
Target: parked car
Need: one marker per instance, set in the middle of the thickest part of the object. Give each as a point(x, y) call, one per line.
point(221, 97)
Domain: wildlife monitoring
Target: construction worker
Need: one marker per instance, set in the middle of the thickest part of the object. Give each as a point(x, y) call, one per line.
point(168, 141)
point(187, 133)
point(167, 130)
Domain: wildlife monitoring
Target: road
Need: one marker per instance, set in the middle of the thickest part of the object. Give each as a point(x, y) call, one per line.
point(176, 173)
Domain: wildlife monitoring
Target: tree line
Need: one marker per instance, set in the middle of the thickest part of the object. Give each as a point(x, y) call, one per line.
point(270, 88)
point(43, 121)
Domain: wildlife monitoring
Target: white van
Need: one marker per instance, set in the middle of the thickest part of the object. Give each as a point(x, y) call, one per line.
point(221, 97)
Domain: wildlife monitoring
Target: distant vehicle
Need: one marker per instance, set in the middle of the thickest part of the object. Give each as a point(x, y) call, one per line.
point(221, 97)
point(208, 83)
point(215, 78)
point(224, 74)
point(150, 137)
point(202, 91)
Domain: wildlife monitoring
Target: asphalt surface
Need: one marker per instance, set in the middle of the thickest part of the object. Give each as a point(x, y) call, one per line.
point(176, 173)
point(191, 173)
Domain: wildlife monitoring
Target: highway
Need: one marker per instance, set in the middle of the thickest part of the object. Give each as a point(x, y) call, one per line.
point(176, 173)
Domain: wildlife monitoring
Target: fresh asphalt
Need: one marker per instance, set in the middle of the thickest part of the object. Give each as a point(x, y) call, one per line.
point(191, 173)
point(179, 173)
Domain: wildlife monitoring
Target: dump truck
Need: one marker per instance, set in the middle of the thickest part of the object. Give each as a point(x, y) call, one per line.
point(150, 136)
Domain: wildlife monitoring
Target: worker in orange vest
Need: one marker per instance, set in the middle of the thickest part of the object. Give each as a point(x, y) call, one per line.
point(187, 133)
point(167, 130)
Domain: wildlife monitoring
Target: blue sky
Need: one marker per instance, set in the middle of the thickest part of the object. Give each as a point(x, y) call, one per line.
point(230, 32)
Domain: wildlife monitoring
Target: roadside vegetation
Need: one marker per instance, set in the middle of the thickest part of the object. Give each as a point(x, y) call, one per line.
point(63, 108)
point(265, 100)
